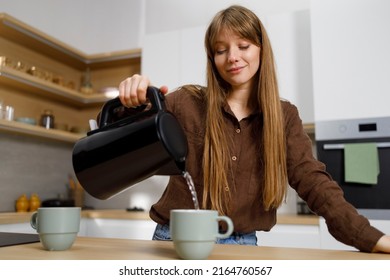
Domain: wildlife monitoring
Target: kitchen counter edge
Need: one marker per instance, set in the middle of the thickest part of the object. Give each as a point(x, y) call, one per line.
point(118, 214)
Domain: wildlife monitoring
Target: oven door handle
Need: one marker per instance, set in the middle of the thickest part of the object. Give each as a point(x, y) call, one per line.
point(341, 146)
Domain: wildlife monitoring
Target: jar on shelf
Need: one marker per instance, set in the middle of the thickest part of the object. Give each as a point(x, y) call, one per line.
point(35, 202)
point(86, 84)
point(22, 204)
point(47, 119)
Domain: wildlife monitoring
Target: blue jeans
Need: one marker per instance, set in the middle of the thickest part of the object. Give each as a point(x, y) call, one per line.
point(162, 233)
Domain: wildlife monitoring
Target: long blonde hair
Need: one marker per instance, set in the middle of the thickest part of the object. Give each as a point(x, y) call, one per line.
point(216, 156)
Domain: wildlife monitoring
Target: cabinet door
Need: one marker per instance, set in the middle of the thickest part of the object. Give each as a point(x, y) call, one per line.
point(329, 242)
point(175, 58)
point(291, 43)
point(192, 56)
point(19, 228)
point(294, 236)
point(161, 59)
point(26, 228)
point(351, 58)
point(128, 229)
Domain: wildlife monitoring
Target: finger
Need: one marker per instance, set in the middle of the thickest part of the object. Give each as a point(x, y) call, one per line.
point(138, 90)
point(164, 89)
point(132, 91)
point(124, 92)
point(143, 85)
point(129, 95)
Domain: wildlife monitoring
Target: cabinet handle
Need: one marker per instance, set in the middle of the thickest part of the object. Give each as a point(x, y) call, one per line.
point(341, 146)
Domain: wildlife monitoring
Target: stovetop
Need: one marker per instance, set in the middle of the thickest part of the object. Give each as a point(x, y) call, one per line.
point(12, 238)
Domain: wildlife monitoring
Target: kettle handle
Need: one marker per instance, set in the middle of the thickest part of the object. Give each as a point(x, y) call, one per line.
point(153, 94)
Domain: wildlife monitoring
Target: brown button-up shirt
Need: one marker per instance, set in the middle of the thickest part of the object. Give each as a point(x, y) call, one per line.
point(306, 175)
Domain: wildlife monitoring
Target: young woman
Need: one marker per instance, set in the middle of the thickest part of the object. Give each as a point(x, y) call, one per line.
point(245, 144)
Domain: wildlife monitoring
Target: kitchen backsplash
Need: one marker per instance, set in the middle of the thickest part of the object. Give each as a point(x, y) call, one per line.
point(140, 196)
point(35, 166)
point(32, 165)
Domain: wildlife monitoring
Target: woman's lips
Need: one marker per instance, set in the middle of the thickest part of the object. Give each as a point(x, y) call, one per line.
point(235, 70)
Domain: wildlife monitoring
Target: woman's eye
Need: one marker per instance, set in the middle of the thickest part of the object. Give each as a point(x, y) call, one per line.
point(244, 47)
point(220, 51)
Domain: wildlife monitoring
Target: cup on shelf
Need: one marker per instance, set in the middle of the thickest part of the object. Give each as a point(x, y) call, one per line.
point(6, 112)
point(26, 120)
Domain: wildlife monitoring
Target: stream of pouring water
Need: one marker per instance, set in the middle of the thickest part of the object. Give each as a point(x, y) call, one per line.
point(191, 186)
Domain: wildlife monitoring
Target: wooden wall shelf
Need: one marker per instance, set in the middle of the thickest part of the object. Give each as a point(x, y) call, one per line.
point(34, 130)
point(58, 89)
point(29, 83)
point(17, 31)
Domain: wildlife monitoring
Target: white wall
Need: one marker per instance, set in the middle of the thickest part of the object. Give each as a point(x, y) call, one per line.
point(96, 26)
point(174, 14)
point(351, 58)
point(88, 25)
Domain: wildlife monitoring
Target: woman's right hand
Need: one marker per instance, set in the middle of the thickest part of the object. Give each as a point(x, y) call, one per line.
point(132, 91)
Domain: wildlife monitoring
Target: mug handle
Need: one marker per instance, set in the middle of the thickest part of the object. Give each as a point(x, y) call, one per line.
point(34, 220)
point(230, 227)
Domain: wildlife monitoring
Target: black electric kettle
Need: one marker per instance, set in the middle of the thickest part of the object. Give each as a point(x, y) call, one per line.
point(122, 153)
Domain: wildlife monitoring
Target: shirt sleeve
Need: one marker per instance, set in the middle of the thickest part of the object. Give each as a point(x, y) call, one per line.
point(323, 195)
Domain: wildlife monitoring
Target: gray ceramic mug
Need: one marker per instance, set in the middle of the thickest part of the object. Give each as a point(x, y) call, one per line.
point(194, 232)
point(57, 226)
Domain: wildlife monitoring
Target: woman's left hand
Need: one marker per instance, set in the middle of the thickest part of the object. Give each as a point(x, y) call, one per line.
point(383, 245)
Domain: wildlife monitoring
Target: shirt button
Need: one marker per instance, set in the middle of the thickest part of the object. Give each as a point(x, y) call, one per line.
point(238, 130)
point(227, 189)
point(234, 158)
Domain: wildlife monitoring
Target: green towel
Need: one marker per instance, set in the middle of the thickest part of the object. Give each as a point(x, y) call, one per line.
point(361, 163)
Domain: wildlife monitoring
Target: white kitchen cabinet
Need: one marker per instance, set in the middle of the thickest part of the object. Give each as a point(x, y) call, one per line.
point(293, 236)
point(351, 58)
point(119, 228)
point(19, 228)
point(175, 58)
point(290, 38)
point(329, 242)
point(26, 228)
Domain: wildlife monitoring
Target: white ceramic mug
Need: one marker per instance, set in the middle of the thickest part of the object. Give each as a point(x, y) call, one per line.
point(57, 226)
point(194, 232)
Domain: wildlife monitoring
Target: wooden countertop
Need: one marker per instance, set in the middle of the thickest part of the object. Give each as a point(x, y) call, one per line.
point(13, 217)
point(87, 248)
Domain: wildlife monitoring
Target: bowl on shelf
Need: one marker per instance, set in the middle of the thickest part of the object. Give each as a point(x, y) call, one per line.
point(25, 120)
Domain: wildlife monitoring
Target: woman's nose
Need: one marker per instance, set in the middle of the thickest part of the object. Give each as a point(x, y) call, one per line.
point(233, 57)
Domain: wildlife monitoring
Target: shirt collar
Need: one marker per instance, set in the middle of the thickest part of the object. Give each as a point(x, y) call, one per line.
point(226, 108)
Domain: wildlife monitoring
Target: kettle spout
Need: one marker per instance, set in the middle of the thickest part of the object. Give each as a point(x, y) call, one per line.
point(181, 165)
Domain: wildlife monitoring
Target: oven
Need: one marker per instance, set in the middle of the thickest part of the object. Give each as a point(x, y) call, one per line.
point(372, 200)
